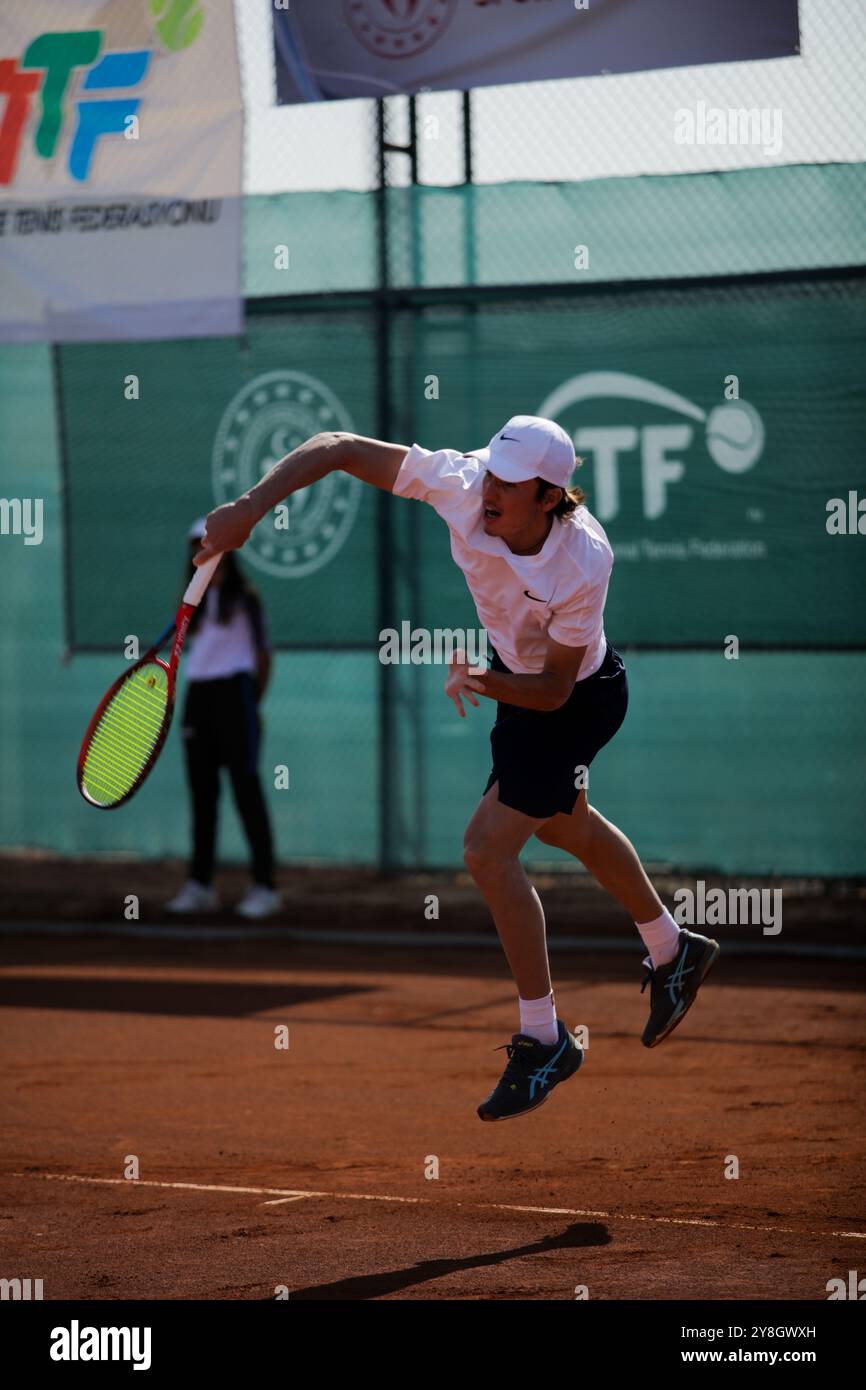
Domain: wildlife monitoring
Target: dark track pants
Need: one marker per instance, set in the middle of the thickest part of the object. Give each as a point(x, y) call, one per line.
point(221, 729)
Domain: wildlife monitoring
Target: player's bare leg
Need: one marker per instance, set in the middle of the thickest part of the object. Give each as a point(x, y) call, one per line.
point(679, 960)
point(543, 1054)
point(492, 843)
point(608, 855)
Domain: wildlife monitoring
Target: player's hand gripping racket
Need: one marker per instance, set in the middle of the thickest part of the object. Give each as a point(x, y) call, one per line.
point(126, 734)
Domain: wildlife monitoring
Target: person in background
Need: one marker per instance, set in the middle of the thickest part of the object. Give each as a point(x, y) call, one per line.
point(227, 669)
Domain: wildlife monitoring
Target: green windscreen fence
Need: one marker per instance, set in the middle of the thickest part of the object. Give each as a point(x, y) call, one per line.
point(717, 508)
point(158, 433)
point(722, 430)
point(717, 424)
point(651, 228)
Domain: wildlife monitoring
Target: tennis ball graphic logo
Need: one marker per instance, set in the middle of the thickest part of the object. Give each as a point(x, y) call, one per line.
point(178, 22)
point(735, 436)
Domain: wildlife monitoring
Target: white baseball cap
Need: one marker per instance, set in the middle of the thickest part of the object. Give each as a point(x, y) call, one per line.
point(529, 446)
point(197, 530)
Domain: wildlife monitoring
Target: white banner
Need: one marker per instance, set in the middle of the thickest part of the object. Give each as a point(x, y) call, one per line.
point(120, 170)
point(374, 48)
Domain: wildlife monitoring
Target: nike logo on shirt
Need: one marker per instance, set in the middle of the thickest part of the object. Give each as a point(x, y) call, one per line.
point(532, 596)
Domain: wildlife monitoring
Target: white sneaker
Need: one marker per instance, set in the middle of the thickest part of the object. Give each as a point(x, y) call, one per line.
point(194, 897)
point(259, 902)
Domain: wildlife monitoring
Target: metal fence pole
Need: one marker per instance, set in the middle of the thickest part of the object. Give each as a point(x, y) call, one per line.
point(384, 532)
point(416, 674)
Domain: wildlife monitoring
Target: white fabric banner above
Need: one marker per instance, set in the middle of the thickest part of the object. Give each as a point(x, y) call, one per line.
point(372, 48)
point(120, 170)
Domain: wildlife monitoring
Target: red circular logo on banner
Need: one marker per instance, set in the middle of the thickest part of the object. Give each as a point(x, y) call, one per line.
point(398, 28)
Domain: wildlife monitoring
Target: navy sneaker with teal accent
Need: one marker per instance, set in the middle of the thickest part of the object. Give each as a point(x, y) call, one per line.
point(533, 1069)
point(675, 985)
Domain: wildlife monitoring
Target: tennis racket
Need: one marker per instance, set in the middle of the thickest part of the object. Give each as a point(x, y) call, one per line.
point(126, 734)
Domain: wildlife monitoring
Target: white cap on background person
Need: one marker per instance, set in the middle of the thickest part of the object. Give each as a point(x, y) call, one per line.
point(529, 446)
point(197, 530)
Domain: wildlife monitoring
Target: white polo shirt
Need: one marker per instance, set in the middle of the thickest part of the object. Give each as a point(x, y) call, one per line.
point(521, 599)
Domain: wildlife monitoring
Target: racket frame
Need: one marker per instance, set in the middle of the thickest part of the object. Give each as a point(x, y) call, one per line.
point(180, 626)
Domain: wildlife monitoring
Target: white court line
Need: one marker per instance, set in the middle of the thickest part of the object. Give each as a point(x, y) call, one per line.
point(281, 1201)
point(295, 1194)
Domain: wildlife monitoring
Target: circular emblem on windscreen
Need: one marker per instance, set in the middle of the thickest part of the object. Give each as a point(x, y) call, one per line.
point(398, 28)
point(266, 420)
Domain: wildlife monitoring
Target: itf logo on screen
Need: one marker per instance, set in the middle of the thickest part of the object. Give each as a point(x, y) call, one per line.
point(67, 91)
point(733, 435)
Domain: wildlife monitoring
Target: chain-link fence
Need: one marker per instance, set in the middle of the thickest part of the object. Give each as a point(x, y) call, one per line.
point(420, 270)
point(615, 126)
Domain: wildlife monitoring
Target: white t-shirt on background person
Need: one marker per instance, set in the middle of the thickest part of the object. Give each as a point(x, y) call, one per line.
point(218, 650)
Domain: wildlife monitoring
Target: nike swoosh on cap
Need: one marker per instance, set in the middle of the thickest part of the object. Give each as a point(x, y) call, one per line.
point(510, 437)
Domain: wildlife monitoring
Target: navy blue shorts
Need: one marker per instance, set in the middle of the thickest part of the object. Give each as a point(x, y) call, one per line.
point(536, 752)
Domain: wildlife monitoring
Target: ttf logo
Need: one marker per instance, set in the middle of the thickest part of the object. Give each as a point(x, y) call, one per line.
point(733, 434)
point(68, 87)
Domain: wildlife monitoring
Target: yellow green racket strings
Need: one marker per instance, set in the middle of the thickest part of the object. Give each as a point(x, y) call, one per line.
point(125, 736)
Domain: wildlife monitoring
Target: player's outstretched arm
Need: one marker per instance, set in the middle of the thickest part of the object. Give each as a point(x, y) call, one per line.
point(372, 460)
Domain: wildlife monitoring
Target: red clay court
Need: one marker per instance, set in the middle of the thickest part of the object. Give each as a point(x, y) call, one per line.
point(305, 1168)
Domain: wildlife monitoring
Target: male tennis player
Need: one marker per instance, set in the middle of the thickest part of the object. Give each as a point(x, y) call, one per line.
point(537, 564)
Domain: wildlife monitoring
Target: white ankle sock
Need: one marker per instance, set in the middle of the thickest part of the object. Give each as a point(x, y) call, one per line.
point(538, 1018)
point(661, 938)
